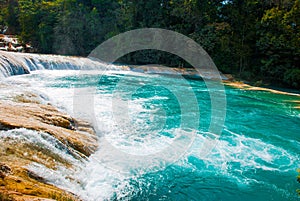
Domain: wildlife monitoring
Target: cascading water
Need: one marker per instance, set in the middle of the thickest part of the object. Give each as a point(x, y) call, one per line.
point(256, 156)
point(20, 63)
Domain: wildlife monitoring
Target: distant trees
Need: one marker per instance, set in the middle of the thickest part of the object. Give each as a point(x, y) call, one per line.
point(82, 25)
point(257, 40)
point(279, 43)
point(9, 15)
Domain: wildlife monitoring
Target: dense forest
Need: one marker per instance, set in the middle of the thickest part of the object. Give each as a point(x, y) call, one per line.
point(256, 40)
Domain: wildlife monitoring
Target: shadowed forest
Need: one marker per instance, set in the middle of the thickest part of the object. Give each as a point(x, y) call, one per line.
point(257, 40)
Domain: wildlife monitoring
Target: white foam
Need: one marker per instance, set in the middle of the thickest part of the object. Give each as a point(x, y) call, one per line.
point(233, 156)
point(40, 139)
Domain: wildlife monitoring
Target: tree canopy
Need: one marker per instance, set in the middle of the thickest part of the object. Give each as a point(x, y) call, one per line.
point(257, 40)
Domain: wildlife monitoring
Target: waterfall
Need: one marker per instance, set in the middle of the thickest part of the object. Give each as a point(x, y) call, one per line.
point(22, 63)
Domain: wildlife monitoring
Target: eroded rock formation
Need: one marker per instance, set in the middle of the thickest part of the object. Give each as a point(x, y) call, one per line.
point(25, 111)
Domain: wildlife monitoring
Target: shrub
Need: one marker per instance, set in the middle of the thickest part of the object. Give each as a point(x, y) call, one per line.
point(292, 78)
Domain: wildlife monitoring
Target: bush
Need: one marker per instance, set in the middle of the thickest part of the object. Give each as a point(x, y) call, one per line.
point(292, 78)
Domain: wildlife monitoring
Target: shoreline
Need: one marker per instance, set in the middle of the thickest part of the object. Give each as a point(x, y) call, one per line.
point(11, 66)
point(243, 85)
point(228, 79)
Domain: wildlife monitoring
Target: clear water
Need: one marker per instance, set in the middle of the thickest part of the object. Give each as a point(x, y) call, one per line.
point(255, 158)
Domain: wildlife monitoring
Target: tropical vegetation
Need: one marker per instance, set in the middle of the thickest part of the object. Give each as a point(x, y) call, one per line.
point(256, 40)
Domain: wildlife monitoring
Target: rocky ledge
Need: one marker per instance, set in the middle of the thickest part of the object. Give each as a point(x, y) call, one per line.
point(26, 111)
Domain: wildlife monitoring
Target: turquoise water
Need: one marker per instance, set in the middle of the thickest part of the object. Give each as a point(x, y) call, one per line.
point(255, 158)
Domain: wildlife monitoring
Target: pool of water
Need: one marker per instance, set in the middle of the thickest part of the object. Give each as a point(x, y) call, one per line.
point(152, 131)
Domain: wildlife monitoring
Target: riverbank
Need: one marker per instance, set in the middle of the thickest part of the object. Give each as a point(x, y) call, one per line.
point(244, 86)
point(12, 63)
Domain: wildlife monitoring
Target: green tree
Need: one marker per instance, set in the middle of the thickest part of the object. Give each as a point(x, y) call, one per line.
point(250, 38)
point(70, 31)
point(9, 15)
point(279, 44)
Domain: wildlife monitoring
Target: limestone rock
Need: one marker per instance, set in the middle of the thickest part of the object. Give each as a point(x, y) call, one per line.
point(48, 119)
point(27, 111)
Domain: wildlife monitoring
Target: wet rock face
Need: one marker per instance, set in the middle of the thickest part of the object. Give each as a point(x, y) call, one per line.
point(48, 119)
point(20, 186)
point(26, 111)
